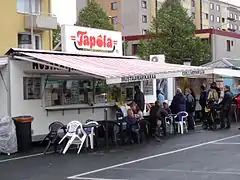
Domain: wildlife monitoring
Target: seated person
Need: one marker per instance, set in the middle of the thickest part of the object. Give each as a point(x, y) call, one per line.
point(157, 113)
point(132, 124)
point(138, 113)
point(166, 107)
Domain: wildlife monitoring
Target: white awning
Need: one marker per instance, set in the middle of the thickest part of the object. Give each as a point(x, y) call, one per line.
point(114, 70)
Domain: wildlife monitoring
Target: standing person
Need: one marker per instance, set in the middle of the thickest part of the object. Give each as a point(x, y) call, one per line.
point(237, 100)
point(226, 107)
point(153, 117)
point(213, 95)
point(214, 86)
point(190, 108)
point(203, 101)
point(195, 101)
point(139, 98)
point(179, 102)
point(160, 97)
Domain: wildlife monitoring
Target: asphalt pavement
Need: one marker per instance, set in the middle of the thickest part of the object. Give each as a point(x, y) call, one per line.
point(197, 155)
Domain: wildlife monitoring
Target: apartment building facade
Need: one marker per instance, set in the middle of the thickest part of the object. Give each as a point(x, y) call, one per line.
point(130, 17)
point(219, 15)
point(20, 18)
point(223, 44)
point(134, 17)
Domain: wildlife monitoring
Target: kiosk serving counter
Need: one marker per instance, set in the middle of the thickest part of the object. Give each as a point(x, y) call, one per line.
point(58, 86)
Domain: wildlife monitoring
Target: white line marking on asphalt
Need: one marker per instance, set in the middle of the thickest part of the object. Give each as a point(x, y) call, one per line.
point(182, 171)
point(230, 143)
point(86, 178)
point(152, 157)
point(24, 157)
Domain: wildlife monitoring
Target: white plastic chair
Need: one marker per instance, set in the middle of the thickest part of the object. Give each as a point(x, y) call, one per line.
point(169, 121)
point(90, 133)
point(182, 122)
point(74, 131)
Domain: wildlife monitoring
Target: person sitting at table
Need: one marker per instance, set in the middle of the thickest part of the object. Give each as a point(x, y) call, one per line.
point(132, 125)
point(138, 113)
point(166, 107)
point(157, 116)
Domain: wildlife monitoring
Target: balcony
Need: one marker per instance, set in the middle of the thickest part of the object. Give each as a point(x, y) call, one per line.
point(40, 22)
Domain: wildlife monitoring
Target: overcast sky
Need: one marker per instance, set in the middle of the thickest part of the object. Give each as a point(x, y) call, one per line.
point(66, 10)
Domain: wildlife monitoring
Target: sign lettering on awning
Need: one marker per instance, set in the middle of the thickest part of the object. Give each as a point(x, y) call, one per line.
point(51, 67)
point(193, 72)
point(138, 78)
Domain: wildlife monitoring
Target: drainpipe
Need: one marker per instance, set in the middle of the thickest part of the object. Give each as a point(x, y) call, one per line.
point(32, 32)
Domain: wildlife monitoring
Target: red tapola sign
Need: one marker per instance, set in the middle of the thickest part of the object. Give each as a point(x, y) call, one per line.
point(88, 39)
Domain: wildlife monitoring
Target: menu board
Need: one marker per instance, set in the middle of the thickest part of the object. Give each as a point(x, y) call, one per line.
point(148, 87)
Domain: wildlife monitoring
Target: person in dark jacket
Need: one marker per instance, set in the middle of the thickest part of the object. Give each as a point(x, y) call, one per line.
point(203, 101)
point(178, 103)
point(190, 108)
point(226, 107)
point(153, 117)
point(132, 126)
point(139, 98)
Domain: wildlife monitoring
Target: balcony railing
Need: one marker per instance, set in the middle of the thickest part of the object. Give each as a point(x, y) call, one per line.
point(40, 21)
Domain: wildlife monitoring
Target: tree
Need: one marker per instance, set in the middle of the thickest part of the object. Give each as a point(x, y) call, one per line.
point(173, 34)
point(94, 16)
point(56, 36)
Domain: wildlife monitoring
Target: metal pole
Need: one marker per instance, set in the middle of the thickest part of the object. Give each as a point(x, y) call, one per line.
point(32, 32)
point(105, 119)
point(124, 38)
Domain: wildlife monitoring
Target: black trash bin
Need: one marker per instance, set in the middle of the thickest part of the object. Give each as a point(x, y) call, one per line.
point(23, 132)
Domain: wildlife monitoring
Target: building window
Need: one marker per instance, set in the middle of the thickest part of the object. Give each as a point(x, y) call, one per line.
point(134, 49)
point(236, 27)
point(31, 88)
point(228, 45)
point(144, 31)
point(206, 16)
point(24, 6)
point(113, 5)
point(66, 92)
point(218, 7)
point(231, 15)
point(144, 18)
point(211, 6)
point(212, 18)
point(223, 20)
point(24, 41)
point(236, 17)
point(218, 19)
point(114, 20)
point(144, 4)
point(193, 3)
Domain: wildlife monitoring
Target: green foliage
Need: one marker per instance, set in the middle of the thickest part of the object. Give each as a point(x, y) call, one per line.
point(172, 34)
point(56, 36)
point(94, 16)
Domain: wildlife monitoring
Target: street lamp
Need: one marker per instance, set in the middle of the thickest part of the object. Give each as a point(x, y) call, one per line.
point(215, 38)
point(122, 27)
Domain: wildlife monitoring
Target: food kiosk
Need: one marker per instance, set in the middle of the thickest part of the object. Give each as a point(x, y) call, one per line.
point(65, 86)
